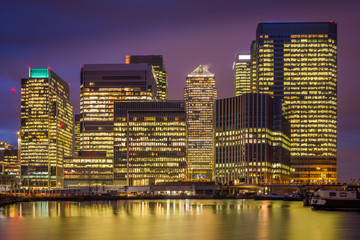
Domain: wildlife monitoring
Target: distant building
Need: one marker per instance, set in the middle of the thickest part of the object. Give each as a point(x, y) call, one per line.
point(77, 131)
point(4, 146)
point(242, 73)
point(150, 142)
point(11, 167)
point(102, 85)
point(297, 64)
point(9, 164)
point(158, 65)
point(248, 147)
point(88, 168)
point(200, 95)
point(46, 128)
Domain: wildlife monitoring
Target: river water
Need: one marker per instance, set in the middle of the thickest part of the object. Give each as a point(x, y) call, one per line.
point(175, 219)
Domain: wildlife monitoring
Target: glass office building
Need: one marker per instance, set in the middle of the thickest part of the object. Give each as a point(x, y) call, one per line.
point(200, 95)
point(297, 64)
point(46, 128)
point(150, 142)
point(88, 168)
point(77, 135)
point(249, 149)
point(242, 73)
point(102, 85)
point(158, 65)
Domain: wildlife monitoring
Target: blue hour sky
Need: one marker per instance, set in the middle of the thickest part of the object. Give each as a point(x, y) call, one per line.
point(66, 34)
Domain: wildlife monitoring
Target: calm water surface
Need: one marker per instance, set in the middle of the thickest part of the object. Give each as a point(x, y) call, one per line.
point(175, 219)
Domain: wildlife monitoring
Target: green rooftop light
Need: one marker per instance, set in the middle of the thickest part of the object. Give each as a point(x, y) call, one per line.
point(38, 73)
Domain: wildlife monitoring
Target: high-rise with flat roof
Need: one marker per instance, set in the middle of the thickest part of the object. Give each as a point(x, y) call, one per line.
point(102, 85)
point(249, 149)
point(200, 96)
point(77, 134)
point(158, 65)
point(297, 64)
point(242, 73)
point(46, 128)
point(150, 142)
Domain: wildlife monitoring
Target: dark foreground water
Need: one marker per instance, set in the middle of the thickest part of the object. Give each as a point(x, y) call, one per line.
point(175, 219)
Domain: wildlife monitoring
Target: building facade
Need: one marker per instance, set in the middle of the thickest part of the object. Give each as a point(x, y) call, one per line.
point(242, 73)
point(77, 134)
point(158, 65)
point(150, 142)
point(88, 168)
point(248, 147)
point(200, 95)
point(297, 64)
point(46, 128)
point(102, 85)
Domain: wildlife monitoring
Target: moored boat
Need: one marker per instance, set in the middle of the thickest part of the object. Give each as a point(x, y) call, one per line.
point(347, 199)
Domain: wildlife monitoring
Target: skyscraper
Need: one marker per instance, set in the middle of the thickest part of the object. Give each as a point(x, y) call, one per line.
point(242, 73)
point(200, 95)
point(150, 142)
point(77, 135)
point(102, 85)
point(46, 128)
point(158, 65)
point(297, 64)
point(248, 147)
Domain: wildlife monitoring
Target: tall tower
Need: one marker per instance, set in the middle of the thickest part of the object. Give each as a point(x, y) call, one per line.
point(102, 85)
point(200, 96)
point(242, 74)
point(46, 128)
point(158, 65)
point(297, 64)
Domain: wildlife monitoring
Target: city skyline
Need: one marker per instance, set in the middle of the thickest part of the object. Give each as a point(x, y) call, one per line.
point(36, 55)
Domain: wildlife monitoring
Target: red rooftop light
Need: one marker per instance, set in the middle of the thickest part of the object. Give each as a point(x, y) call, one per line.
point(258, 22)
point(13, 90)
point(331, 21)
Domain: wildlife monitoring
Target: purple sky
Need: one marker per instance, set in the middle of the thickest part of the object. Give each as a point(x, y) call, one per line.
point(66, 34)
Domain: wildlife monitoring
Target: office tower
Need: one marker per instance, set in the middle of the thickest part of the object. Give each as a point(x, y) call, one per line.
point(297, 64)
point(242, 73)
point(253, 66)
point(200, 96)
point(150, 142)
point(246, 141)
point(46, 128)
point(102, 85)
point(88, 168)
point(158, 65)
point(77, 135)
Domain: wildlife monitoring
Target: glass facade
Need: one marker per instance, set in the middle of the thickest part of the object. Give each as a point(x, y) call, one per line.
point(46, 128)
point(102, 85)
point(249, 149)
point(77, 135)
point(88, 168)
point(297, 64)
point(242, 74)
point(150, 142)
point(158, 65)
point(200, 95)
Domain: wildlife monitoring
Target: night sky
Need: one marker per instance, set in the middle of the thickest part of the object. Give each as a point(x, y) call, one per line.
point(64, 35)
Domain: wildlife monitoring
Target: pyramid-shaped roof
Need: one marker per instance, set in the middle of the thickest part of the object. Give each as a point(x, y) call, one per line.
point(201, 71)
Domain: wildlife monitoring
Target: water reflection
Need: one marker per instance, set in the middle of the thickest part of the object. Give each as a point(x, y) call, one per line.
point(180, 219)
